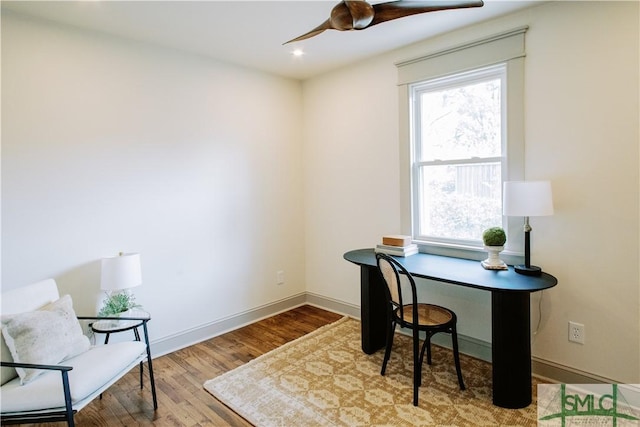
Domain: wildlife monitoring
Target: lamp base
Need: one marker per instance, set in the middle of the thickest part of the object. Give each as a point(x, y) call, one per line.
point(532, 270)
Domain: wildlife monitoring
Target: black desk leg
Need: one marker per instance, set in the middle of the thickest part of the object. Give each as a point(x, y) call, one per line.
point(373, 309)
point(511, 349)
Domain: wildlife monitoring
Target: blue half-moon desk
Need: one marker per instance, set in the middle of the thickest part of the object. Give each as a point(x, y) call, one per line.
point(510, 313)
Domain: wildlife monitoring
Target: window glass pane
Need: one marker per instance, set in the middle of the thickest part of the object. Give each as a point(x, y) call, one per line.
point(460, 201)
point(461, 122)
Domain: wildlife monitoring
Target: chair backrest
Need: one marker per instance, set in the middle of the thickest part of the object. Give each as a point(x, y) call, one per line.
point(30, 297)
point(21, 300)
point(391, 271)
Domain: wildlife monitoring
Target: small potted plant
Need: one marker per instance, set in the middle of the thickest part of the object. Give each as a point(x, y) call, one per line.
point(494, 239)
point(117, 303)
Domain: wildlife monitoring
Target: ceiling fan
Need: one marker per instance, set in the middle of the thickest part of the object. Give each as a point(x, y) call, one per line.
point(358, 14)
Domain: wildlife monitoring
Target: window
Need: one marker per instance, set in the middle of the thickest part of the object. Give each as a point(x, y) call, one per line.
point(457, 128)
point(461, 137)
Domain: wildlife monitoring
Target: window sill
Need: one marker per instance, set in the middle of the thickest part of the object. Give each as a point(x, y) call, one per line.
point(467, 252)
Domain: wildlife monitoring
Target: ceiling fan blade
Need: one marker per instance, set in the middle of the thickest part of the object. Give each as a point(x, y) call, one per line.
point(399, 9)
point(326, 25)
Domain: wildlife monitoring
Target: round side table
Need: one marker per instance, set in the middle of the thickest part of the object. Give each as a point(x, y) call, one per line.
point(113, 326)
point(109, 326)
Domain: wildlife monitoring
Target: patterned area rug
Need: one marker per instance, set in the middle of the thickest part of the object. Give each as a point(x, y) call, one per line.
point(324, 379)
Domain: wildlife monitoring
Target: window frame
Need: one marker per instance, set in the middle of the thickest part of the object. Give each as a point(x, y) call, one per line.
point(494, 72)
point(505, 48)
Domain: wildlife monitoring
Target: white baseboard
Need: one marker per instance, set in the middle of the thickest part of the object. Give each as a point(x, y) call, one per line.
point(334, 305)
point(207, 331)
point(468, 345)
point(562, 374)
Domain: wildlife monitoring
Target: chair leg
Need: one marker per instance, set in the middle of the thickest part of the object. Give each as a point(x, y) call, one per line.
point(456, 356)
point(417, 368)
point(426, 345)
point(141, 371)
point(391, 327)
point(67, 399)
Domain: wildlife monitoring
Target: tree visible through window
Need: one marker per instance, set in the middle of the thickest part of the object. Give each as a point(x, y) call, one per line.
point(458, 155)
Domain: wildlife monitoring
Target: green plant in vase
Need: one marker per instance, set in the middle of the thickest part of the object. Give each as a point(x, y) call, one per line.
point(494, 239)
point(116, 303)
point(494, 236)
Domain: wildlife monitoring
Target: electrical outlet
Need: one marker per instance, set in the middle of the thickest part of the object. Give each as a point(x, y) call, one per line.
point(280, 277)
point(576, 332)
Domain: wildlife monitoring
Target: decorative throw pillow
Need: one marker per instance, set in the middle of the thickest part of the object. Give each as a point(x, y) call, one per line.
point(46, 336)
point(6, 373)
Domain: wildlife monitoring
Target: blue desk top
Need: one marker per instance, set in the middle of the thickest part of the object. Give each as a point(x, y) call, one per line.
point(462, 272)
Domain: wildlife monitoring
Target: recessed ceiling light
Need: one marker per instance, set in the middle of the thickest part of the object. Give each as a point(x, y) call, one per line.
point(297, 52)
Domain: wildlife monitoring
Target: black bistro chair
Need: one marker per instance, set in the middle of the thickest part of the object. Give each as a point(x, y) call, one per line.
point(418, 316)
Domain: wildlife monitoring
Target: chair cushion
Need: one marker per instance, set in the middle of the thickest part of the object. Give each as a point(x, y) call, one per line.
point(45, 336)
point(91, 371)
point(428, 315)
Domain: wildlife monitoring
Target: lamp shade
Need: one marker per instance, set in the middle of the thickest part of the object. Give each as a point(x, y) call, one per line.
point(121, 272)
point(527, 198)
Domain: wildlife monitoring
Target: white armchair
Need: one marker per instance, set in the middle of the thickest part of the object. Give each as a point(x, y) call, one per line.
point(49, 369)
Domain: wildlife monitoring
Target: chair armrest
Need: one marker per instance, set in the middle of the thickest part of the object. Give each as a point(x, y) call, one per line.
point(36, 366)
point(66, 390)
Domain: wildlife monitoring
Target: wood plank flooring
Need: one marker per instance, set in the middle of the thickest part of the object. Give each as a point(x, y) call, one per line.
point(182, 401)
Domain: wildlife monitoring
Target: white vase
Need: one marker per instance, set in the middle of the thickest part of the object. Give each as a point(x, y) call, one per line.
point(494, 262)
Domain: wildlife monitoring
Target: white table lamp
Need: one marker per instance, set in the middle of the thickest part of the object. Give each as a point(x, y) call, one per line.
point(121, 272)
point(527, 198)
point(118, 275)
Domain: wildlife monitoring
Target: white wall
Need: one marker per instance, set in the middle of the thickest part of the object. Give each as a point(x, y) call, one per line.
point(109, 145)
point(350, 151)
point(581, 106)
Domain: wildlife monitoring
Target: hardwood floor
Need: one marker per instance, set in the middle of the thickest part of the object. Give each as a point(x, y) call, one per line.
point(182, 401)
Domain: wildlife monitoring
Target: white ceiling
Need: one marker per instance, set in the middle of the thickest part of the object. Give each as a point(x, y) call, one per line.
point(252, 33)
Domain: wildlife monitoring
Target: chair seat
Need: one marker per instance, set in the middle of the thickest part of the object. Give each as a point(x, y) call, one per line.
point(428, 315)
point(91, 371)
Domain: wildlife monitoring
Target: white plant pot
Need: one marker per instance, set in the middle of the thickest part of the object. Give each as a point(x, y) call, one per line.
point(494, 262)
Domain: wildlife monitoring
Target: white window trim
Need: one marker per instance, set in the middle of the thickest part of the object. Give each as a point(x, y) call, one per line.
point(508, 48)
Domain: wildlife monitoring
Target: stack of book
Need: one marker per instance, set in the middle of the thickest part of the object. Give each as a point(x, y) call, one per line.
point(397, 246)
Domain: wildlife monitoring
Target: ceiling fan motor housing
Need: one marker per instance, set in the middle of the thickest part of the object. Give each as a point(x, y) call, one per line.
point(351, 15)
